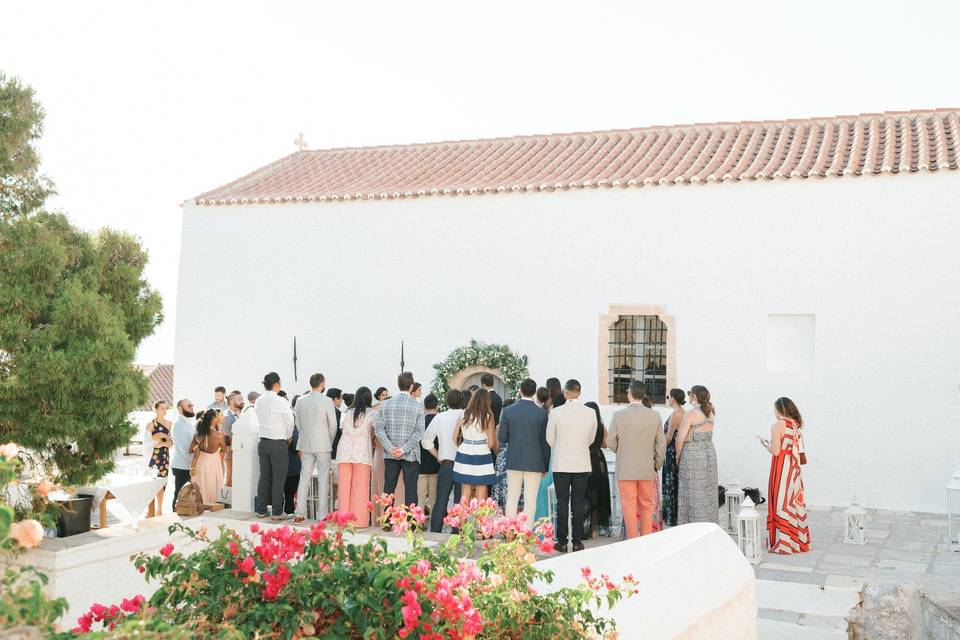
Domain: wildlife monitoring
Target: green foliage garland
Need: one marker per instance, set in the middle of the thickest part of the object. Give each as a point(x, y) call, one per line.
point(495, 356)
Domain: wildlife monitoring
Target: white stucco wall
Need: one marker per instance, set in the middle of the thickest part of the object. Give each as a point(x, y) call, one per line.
point(873, 258)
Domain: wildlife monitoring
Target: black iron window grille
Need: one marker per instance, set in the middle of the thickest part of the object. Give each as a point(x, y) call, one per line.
point(638, 351)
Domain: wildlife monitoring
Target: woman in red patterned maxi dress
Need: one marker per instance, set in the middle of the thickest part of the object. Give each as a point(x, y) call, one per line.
point(787, 528)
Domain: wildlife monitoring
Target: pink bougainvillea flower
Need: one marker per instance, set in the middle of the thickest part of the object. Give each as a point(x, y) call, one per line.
point(27, 533)
point(83, 623)
point(132, 605)
point(166, 550)
point(254, 528)
point(9, 450)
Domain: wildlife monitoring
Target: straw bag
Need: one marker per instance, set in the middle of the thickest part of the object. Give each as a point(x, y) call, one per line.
point(189, 502)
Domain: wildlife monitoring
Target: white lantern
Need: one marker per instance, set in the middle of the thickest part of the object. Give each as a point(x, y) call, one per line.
point(953, 489)
point(853, 518)
point(734, 499)
point(748, 531)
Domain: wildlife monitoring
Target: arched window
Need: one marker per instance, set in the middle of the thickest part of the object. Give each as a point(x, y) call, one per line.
point(637, 350)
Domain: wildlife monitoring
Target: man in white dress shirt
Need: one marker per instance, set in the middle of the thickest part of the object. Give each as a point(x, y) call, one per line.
point(316, 418)
point(441, 430)
point(276, 431)
point(571, 429)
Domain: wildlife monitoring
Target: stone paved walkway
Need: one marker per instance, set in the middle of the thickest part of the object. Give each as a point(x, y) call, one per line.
point(904, 548)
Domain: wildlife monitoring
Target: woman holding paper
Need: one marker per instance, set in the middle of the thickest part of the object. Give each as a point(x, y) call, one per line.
point(787, 527)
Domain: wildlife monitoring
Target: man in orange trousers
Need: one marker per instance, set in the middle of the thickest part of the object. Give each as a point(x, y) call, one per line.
point(636, 436)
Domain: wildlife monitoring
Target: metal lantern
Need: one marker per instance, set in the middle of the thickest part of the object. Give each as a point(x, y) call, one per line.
point(734, 498)
point(853, 518)
point(748, 531)
point(953, 489)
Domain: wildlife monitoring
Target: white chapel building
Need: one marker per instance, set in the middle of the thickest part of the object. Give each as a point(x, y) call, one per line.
point(816, 259)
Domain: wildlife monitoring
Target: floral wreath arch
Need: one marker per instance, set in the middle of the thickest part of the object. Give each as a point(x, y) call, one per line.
point(513, 367)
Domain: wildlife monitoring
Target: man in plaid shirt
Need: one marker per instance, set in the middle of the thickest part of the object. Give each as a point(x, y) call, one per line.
point(399, 428)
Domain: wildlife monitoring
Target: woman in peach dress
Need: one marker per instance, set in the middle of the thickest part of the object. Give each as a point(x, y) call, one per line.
point(206, 472)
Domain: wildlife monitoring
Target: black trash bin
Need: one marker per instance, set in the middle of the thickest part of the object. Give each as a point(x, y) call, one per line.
point(74, 515)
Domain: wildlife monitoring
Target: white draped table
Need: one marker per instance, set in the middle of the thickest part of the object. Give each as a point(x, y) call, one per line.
point(134, 493)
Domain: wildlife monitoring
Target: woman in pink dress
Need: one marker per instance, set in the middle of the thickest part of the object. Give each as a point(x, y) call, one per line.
point(206, 472)
point(355, 457)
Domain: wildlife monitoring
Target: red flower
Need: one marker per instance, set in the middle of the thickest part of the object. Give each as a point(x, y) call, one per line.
point(142, 569)
point(233, 547)
point(254, 527)
point(247, 566)
point(83, 623)
point(275, 582)
point(166, 550)
point(132, 605)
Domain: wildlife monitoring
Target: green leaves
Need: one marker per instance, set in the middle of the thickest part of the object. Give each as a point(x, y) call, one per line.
point(495, 356)
point(22, 190)
point(73, 308)
point(7, 516)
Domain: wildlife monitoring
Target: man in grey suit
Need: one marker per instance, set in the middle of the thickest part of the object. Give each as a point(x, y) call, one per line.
point(523, 426)
point(636, 436)
point(316, 420)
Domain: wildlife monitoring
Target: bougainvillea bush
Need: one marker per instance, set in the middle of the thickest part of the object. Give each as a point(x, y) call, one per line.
point(298, 583)
point(24, 606)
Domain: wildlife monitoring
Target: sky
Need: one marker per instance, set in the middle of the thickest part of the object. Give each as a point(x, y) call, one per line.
point(149, 104)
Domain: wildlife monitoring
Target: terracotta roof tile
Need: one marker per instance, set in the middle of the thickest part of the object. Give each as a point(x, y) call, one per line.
point(868, 144)
point(160, 377)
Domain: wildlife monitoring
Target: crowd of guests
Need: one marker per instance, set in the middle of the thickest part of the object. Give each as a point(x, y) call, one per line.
point(480, 445)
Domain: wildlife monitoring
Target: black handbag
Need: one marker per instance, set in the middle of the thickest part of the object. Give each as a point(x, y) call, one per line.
point(754, 494)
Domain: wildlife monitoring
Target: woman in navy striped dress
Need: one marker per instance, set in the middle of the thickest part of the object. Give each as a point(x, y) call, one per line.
point(476, 438)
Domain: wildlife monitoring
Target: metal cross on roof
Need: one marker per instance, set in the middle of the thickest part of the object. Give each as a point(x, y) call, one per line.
point(300, 141)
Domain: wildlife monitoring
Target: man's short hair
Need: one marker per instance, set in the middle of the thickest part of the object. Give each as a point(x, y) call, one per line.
point(455, 399)
point(232, 395)
point(405, 381)
point(316, 380)
point(181, 402)
point(334, 393)
point(253, 395)
point(220, 390)
point(486, 380)
point(573, 386)
point(430, 401)
point(637, 390)
point(348, 399)
point(528, 388)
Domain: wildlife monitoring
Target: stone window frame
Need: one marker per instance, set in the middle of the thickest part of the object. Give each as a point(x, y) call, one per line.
point(606, 322)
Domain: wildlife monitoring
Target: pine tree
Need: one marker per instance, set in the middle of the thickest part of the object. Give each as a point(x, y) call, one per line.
point(21, 123)
point(73, 308)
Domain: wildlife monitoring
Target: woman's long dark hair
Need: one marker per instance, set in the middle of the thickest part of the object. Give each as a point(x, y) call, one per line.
point(553, 384)
point(703, 399)
point(786, 408)
point(479, 409)
point(362, 400)
point(593, 405)
point(204, 422)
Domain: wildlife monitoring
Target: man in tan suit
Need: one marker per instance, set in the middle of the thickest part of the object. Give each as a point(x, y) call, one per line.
point(636, 436)
point(571, 429)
